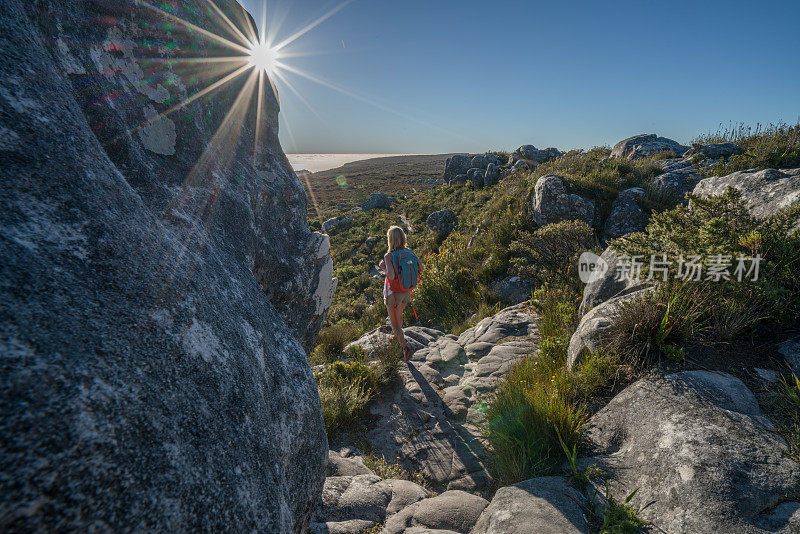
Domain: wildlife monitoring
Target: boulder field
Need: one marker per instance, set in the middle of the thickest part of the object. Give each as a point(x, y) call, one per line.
point(695, 445)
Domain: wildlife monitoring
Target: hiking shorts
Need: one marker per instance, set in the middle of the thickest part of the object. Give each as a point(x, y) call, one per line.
point(397, 298)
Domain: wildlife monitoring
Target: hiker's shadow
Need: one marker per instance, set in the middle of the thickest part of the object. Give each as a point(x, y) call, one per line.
point(465, 445)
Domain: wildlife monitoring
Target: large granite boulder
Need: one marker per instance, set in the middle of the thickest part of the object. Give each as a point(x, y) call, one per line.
point(588, 336)
point(159, 281)
point(456, 165)
point(336, 224)
point(644, 145)
point(377, 200)
point(626, 214)
point(545, 504)
point(765, 192)
point(442, 222)
point(551, 203)
point(607, 285)
point(702, 455)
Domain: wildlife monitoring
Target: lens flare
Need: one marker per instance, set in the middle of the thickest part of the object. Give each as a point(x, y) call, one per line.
point(263, 58)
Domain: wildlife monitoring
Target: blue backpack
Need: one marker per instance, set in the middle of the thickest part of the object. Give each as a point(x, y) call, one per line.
point(406, 266)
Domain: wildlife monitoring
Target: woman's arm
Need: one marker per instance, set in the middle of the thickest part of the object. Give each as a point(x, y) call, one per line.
point(420, 267)
point(387, 261)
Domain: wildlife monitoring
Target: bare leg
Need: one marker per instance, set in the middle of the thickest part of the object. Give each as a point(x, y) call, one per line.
point(397, 326)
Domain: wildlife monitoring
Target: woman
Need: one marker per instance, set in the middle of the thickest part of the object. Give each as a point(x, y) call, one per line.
point(396, 301)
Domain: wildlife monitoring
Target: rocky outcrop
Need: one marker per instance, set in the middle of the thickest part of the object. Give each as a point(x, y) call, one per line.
point(336, 224)
point(456, 165)
point(765, 192)
point(545, 504)
point(479, 162)
point(434, 422)
point(377, 200)
point(715, 150)
point(476, 176)
point(160, 283)
point(702, 455)
point(535, 156)
point(644, 145)
point(626, 214)
point(442, 222)
point(492, 174)
point(551, 203)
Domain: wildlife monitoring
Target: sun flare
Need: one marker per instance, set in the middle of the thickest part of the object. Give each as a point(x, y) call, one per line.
point(263, 58)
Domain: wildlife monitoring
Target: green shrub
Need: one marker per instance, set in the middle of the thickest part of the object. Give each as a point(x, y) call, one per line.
point(655, 324)
point(788, 401)
point(346, 388)
point(551, 251)
point(332, 341)
point(447, 292)
point(393, 470)
point(720, 225)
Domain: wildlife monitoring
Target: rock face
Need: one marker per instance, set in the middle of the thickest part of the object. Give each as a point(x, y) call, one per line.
point(626, 215)
point(434, 423)
point(442, 222)
point(551, 203)
point(377, 200)
point(455, 165)
point(701, 453)
point(159, 283)
point(545, 504)
point(331, 226)
point(765, 191)
point(641, 146)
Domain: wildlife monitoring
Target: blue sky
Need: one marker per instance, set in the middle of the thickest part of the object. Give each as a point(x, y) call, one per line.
point(434, 76)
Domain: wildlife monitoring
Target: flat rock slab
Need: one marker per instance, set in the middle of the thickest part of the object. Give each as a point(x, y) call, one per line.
point(701, 454)
point(434, 422)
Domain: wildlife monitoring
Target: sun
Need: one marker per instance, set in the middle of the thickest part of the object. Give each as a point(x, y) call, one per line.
point(263, 57)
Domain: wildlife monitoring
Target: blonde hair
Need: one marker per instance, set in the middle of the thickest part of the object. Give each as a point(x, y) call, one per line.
point(395, 239)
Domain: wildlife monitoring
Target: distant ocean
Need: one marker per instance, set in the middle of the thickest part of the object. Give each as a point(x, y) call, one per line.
point(323, 162)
